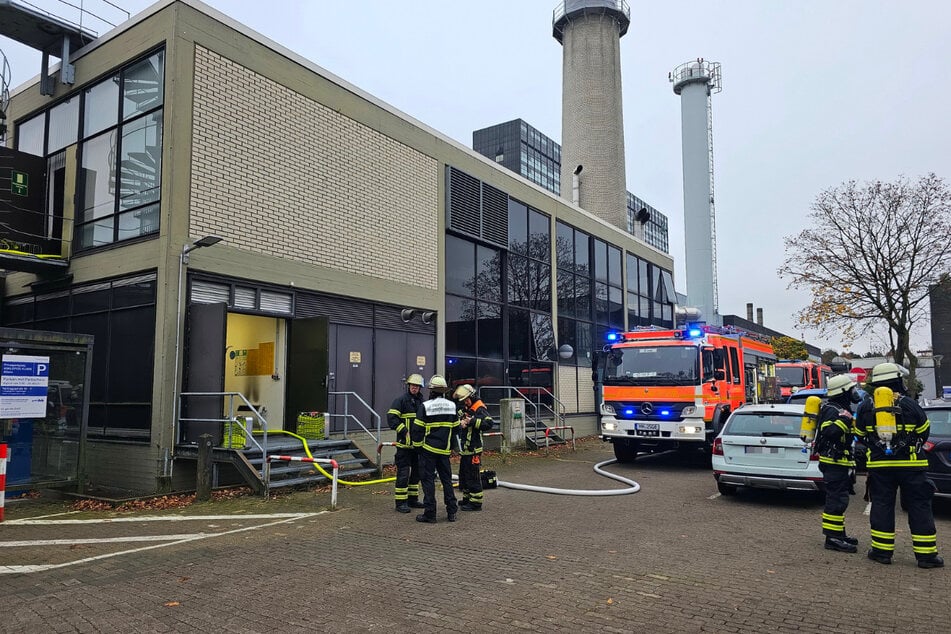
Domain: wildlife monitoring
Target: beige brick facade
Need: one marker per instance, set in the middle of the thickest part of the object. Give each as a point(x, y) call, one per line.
point(277, 173)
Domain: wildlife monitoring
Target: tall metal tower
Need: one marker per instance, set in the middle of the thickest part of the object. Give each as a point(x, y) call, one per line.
point(592, 128)
point(695, 82)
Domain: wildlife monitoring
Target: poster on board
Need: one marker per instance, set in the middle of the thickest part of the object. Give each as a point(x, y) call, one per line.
point(23, 386)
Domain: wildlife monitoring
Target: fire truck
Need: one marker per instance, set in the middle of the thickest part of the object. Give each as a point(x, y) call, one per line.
point(674, 388)
point(801, 375)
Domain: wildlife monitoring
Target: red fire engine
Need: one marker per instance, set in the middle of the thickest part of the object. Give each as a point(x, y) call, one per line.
point(801, 375)
point(674, 388)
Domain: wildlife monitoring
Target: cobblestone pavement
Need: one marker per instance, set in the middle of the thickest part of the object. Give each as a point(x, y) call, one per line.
point(674, 557)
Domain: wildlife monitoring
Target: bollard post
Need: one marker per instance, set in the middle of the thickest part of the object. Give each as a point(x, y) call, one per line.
point(3, 476)
point(203, 475)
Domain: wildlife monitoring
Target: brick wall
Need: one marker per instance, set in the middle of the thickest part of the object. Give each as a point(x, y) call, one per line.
point(275, 172)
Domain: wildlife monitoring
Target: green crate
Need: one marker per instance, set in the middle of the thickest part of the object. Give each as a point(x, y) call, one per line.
point(310, 425)
point(234, 436)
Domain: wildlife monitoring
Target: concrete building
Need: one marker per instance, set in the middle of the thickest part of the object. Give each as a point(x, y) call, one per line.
point(357, 245)
point(521, 148)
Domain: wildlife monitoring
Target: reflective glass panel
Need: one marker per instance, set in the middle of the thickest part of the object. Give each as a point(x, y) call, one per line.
point(460, 326)
point(64, 125)
point(565, 246)
point(539, 246)
point(518, 227)
point(139, 222)
point(142, 88)
point(141, 161)
point(30, 135)
point(489, 279)
point(101, 109)
point(98, 176)
point(460, 266)
point(490, 330)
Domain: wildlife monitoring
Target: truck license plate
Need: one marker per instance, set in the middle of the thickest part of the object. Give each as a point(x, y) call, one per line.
point(647, 429)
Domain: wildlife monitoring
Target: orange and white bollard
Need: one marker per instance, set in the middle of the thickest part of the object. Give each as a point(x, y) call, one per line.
point(3, 476)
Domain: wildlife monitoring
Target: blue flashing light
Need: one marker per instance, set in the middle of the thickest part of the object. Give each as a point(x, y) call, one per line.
point(613, 336)
point(451, 361)
point(629, 411)
point(665, 412)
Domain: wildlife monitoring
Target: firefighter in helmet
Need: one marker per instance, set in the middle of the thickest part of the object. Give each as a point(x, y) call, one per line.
point(434, 430)
point(474, 419)
point(836, 461)
point(400, 418)
point(894, 428)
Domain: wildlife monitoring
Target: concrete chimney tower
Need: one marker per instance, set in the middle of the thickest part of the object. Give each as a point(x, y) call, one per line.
point(592, 128)
point(695, 81)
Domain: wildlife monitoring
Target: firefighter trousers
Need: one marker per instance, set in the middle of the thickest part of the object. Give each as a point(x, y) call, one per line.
point(407, 474)
point(470, 480)
point(837, 480)
point(431, 464)
point(916, 495)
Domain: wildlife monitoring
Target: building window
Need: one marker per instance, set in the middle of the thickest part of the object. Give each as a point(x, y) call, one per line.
point(118, 124)
point(120, 314)
point(650, 294)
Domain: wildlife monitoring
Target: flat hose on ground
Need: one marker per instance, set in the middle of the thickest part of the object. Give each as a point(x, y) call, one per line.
point(633, 488)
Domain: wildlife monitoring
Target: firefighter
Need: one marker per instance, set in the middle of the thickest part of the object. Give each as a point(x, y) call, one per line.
point(434, 430)
point(400, 418)
point(894, 436)
point(474, 419)
point(834, 448)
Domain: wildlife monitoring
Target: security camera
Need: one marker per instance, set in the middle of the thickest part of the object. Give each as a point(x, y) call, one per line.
point(578, 169)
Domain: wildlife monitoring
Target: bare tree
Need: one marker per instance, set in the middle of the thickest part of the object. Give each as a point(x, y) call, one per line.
point(868, 257)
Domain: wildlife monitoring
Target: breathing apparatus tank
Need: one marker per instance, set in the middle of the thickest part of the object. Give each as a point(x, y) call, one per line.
point(810, 415)
point(886, 425)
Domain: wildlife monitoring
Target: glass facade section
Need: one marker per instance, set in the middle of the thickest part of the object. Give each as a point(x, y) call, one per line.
point(118, 123)
point(650, 294)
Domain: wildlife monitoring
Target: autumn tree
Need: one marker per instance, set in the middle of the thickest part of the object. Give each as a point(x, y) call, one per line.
point(788, 348)
point(868, 257)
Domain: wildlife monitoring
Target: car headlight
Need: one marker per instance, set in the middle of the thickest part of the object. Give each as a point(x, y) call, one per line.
point(690, 410)
point(690, 429)
point(609, 426)
point(608, 409)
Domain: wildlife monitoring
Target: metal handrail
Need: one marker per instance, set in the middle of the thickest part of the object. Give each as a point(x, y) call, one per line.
point(232, 417)
point(348, 416)
point(537, 406)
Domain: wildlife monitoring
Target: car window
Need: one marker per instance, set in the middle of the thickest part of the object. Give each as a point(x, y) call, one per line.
point(940, 421)
point(763, 424)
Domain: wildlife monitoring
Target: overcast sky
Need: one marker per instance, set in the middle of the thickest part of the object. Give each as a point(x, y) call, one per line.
point(815, 92)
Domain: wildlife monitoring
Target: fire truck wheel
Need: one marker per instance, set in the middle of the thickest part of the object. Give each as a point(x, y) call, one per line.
point(625, 450)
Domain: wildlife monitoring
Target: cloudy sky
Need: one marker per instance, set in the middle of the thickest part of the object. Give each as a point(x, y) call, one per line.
point(815, 92)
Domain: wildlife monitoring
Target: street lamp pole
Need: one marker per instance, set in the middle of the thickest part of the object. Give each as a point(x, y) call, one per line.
point(183, 258)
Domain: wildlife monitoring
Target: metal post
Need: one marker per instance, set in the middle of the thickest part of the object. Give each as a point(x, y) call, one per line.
point(203, 476)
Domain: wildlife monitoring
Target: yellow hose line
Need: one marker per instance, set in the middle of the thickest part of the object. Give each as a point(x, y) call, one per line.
point(320, 468)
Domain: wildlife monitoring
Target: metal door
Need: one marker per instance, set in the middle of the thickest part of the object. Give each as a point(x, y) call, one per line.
point(307, 369)
point(397, 355)
point(204, 369)
point(352, 371)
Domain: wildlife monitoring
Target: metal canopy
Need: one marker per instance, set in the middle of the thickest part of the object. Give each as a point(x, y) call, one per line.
point(38, 30)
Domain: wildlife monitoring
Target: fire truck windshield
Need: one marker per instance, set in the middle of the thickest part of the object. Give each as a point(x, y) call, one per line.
point(660, 365)
point(790, 376)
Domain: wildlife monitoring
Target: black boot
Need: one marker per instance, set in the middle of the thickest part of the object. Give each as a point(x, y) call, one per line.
point(414, 503)
point(402, 506)
point(879, 556)
point(469, 506)
point(931, 562)
point(850, 540)
point(839, 544)
point(427, 519)
point(451, 517)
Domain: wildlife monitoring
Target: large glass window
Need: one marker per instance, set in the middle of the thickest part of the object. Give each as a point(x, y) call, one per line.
point(120, 153)
point(650, 294)
point(574, 293)
point(120, 314)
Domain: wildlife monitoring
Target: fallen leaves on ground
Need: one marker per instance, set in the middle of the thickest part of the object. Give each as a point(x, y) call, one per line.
point(156, 503)
point(172, 604)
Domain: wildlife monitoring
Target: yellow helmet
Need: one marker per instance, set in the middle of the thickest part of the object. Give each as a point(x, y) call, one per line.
point(463, 392)
point(884, 372)
point(839, 384)
point(415, 379)
point(438, 383)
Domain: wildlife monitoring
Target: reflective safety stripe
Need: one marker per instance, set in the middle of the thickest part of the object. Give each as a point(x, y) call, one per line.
point(917, 462)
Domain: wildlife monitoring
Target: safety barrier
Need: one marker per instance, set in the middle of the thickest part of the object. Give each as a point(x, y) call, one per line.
point(3, 477)
point(548, 431)
point(330, 461)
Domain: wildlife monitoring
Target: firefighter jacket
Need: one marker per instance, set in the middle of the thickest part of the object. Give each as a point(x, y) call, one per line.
point(401, 415)
point(913, 429)
point(471, 435)
point(436, 425)
point(834, 440)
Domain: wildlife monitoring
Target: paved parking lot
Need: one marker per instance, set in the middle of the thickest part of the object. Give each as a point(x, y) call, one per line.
point(674, 557)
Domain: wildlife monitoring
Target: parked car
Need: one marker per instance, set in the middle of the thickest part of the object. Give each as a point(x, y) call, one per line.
point(759, 447)
point(858, 450)
point(938, 446)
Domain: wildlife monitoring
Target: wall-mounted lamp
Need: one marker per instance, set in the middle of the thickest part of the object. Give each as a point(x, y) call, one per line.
point(428, 317)
point(407, 314)
point(207, 241)
point(565, 351)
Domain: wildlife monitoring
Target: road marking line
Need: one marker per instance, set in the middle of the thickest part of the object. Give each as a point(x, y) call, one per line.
point(40, 567)
point(29, 521)
point(102, 540)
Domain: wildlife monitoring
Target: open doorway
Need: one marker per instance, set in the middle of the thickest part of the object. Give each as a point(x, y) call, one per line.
point(255, 363)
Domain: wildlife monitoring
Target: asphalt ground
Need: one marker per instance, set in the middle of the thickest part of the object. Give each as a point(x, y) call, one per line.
point(673, 557)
